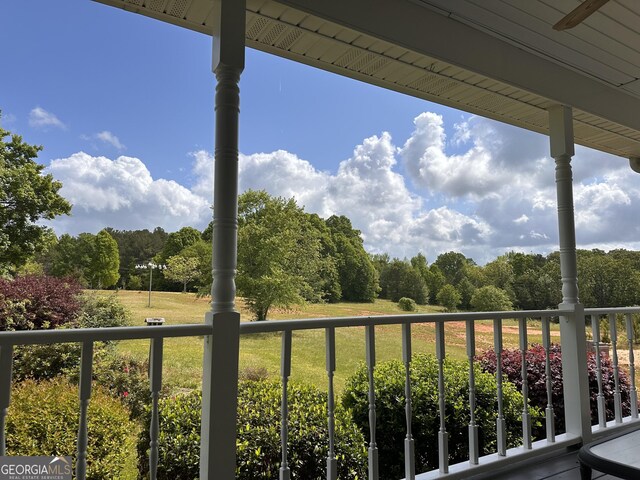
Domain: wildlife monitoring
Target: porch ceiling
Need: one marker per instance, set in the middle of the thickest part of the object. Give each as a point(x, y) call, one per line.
point(497, 58)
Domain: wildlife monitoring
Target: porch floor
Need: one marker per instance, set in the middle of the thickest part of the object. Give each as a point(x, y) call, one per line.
point(562, 466)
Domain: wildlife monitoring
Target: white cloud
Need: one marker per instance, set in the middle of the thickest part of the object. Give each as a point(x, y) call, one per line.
point(110, 138)
point(39, 117)
point(366, 188)
point(493, 193)
point(122, 194)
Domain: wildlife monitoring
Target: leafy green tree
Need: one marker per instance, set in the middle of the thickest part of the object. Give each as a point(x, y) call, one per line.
point(274, 252)
point(435, 281)
point(325, 278)
point(178, 241)
point(452, 265)
point(523, 262)
point(379, 261)
point(419, 263)
point(449, 297)
point(137, 247)
point(399, 279)
point(466, 289)
point(491, 299)
point(358, 276)
point(607, 280)
point(105, 261)
point(207, 233)
point(26, 197)
point(201, 251)
point(72, 257)
point(500, 274)
point(134, 283)
point(182, 269)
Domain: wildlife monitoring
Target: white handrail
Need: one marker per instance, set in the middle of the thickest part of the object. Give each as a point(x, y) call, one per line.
point(80, 335)
point(362, 321)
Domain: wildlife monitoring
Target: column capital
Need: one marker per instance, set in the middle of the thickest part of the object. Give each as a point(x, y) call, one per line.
point(561, 131)
point(228, 34)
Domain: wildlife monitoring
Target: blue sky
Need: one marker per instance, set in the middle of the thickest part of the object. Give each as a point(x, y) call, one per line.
point(123, 105)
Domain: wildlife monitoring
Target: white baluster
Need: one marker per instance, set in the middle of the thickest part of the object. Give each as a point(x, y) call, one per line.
point(86, 366)
point(526, 416)
point(332, 462)
point(155, 383)
point(474, 451)
point(500, 421)
point(595, 332)
point(285, 372)
point(6, 366)
point(370, 346)
point(617, 401)
point(443, 436)
point(549, 413)
point(632, 367)
point(409, 447)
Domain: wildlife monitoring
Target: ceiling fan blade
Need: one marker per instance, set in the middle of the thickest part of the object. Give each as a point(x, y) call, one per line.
point(579, 14)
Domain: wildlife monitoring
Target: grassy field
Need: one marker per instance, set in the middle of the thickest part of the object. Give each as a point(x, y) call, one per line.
point(183, 356)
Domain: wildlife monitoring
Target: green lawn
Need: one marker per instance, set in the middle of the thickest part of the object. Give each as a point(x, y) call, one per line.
point(183, 356)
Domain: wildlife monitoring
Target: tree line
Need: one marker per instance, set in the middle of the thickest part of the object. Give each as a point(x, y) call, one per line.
point(286, 256)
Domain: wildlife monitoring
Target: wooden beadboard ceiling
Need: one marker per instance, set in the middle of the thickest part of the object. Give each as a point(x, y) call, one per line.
point(604, 51)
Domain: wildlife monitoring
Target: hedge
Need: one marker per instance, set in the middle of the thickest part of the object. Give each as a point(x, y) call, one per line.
point(43, 420)
point(258, 442)
point(389, 382)
point(536, 380)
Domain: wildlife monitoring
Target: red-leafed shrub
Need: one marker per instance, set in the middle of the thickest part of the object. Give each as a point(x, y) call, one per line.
point(536, 378)
point(38, 302)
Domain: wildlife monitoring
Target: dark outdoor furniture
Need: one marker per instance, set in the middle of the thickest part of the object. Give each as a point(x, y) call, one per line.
point(618, 456)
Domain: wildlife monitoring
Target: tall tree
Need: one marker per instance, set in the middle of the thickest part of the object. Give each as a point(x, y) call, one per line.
point(452, 265)
point(182, 269)
point(72, 257)
point(399, 279)
point(449, 297)
point(178, 241)
point(201, 251)
point(276, 251)
point(358, 276)
point(435, 281)
point(26, 197)
point(137, 247)
point(105, 261)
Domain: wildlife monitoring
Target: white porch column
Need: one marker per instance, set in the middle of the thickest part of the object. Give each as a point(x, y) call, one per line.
point(220, 371)
point(572, 326)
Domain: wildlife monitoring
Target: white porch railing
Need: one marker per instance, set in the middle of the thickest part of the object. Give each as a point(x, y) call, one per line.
point(476, 463)
point(87, 337)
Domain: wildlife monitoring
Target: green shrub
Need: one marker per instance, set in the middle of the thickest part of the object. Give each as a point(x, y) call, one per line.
point(490, 299)
point(100, 311)
point(124, 377)
point(449, 298)
point(41, 362)
point(407, 304)
point(43, 420)
point(258, 442)
point(389, 379)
